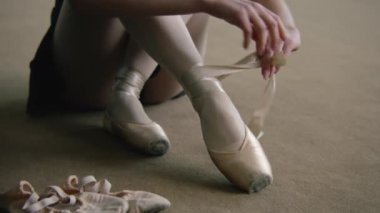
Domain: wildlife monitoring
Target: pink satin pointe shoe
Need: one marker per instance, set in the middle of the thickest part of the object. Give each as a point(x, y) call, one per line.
point(124, 108)
point(247, 167)
point(85, 195)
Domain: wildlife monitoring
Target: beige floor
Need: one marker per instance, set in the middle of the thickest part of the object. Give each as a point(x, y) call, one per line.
point(322, 136)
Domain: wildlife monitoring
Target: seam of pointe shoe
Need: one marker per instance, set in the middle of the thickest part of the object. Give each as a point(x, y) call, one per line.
point(241, 148)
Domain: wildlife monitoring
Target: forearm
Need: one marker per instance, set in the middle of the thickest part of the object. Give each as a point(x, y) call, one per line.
point(139, 7)
point(280, 8)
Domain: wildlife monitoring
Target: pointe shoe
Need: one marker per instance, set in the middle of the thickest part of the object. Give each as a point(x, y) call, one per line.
point(147, 137)
point(84, 195)
point(248, 168)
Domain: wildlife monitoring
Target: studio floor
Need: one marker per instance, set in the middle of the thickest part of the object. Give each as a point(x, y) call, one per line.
point(322, 135)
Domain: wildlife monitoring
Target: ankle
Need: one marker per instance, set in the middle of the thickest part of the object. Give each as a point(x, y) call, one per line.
point(223, 128)
point(129, 81)
point(202, 86)
point(191, 76)
point(123, 102)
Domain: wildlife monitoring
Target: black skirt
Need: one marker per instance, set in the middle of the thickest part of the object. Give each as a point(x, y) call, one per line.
point(46, 87)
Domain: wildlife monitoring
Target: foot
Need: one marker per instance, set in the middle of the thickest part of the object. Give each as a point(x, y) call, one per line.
point(231, 145)
point(125, 116)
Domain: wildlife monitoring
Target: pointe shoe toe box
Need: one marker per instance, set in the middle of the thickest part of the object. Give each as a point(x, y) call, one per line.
point(147, 138)
point(248, 168)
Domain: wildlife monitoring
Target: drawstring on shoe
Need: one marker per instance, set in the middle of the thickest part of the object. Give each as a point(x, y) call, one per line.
point(55, 194)
point(83, 195)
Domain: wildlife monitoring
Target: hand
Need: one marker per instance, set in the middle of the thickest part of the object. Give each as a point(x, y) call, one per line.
point(292, 43)
point(256, 22)
point(292, 40)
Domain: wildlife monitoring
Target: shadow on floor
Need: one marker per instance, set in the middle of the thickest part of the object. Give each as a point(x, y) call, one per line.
point(77, 143)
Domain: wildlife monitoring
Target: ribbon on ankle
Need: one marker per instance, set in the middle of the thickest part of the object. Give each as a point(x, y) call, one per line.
point(249, 62)
point(130, 81)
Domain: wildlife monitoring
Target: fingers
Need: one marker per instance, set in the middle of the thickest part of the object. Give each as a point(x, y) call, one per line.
point(269, 68)
point(269, 27)
point(274, 40)
point(272, 27)
point(281, 26)
point(292, 42)
point(261, 31)
point(289, 47)
point(266, 65)
point(259, 24)
point(247, 29)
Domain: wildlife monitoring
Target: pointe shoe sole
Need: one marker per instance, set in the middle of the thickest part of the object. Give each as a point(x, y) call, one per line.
point(248, 168)
point(147, 138)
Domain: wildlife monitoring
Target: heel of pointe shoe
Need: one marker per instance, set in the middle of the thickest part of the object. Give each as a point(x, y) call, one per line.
point(248, 168)
point(147, 138)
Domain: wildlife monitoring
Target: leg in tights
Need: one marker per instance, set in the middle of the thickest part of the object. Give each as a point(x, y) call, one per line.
point(163, 86)
point(89, 50)
point(126, 108)
point(168, 41)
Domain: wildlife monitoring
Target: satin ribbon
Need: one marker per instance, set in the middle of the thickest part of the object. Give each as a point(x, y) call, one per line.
point(56, 194)
point(248, 63)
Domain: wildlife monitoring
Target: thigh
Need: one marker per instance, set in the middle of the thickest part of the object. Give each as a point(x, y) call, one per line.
point(88, 49)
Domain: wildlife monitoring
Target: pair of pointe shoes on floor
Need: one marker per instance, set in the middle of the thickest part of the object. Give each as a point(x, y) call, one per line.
point(247, 168)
